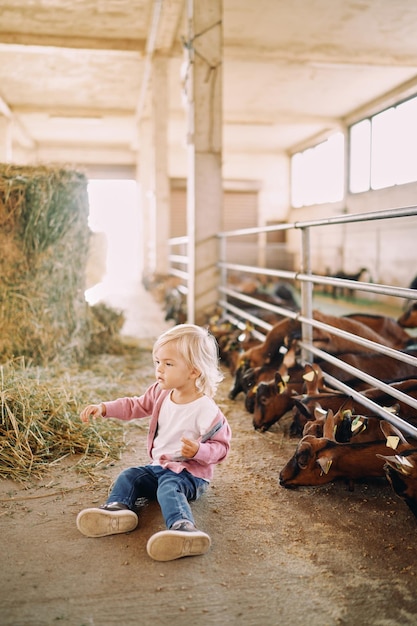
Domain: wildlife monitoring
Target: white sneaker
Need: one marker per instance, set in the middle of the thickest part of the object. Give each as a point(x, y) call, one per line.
point(102, 522)
point(168, 545)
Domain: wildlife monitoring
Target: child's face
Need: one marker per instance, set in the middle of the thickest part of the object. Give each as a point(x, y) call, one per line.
point(171, 370)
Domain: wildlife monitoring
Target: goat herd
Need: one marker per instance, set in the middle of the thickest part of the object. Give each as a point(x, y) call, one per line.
point(339, 437)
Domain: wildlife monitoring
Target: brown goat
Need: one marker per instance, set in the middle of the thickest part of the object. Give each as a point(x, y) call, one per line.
point(408, 319)
point(272, 400)
point(318, 460)
point(343, 426)
point(401, 469)
point(286, 330)
point(386, 327)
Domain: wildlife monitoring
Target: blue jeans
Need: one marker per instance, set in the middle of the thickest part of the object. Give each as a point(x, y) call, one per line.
point(172, 491)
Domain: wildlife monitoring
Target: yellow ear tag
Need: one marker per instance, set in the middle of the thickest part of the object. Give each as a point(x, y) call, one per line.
point(392, 442)
point(281, 387)
point(309, 376)
point(325, 465)
point(255, 389)
point(357, 424)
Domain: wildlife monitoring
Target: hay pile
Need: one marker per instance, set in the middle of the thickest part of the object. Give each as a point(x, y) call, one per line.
point(47, 328)
point(106, 324)
point(44, 238)
point(39, 423)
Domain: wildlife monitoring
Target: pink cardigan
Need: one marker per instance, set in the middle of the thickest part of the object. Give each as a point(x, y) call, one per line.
point(214, 446)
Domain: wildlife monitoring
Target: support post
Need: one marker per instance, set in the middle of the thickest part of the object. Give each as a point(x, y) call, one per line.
point(204, 138)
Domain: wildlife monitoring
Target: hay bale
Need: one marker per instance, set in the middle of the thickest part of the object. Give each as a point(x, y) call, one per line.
point(96, 260)
point(44, 238)
point(39, 423)
point(106, 324)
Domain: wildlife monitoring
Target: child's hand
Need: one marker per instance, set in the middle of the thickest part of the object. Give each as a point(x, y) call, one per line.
point(92, 410)
point(189, 448)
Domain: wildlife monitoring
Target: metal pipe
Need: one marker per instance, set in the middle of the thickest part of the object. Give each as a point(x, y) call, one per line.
point(259, 303)
point(391, 352)
point(251, 318)
point(373, 382)
point(379, 410)
point(306, 293)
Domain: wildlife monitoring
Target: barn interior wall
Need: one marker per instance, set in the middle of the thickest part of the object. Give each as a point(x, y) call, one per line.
point(272, 173)
point(385, 248)
point(269, 171)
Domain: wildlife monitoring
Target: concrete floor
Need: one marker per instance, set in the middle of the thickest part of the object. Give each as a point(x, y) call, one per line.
point(145, 317)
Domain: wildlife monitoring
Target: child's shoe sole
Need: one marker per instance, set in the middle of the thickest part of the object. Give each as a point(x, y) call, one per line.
point(100, 523)
point(168, 545)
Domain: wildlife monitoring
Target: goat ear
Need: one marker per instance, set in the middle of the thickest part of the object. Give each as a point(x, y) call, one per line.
point(325, 464)
point(304, 454)
point(289, 357)
point(399, 463)
point(347, 405)
point(302, 408)
point(279, 382)
point(329, 426)
point(309, 376)
point(392, 434)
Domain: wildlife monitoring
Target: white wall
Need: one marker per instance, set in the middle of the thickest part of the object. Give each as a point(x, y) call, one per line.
point(387, 248)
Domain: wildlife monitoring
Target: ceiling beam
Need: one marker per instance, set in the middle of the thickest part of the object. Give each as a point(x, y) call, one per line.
point(333, 58)
point(25, 138)
point(71, 112)
point(73, 42)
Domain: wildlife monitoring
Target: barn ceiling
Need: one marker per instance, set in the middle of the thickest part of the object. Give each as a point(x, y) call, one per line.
point(73, 76)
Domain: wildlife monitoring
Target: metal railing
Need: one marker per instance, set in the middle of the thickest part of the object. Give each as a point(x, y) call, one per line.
point(305, 277)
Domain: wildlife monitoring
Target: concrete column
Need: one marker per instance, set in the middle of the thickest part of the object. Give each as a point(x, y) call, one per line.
point(204, 188)
point(5, 140)
point(160, 114)
point(147, 197)
point(153, 173)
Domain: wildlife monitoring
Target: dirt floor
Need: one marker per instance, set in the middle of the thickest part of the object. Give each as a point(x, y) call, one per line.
point(321, 556)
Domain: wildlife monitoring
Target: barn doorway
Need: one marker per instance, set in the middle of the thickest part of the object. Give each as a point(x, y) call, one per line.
point(113, 268)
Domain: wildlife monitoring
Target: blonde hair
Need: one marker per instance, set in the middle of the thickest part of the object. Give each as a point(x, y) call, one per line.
point(199, 349)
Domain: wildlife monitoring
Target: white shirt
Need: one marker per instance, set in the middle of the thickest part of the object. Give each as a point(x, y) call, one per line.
point(191, 420)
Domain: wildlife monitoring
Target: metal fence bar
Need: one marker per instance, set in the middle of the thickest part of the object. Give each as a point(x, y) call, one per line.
point(306, 292)
point(373, 382)
point(386, 290)
point(377, 347)
point(379, 410)
point(249, 318)
point(178, 258)
point(329, 221)
point(305, 316)
point(255, 269)
point(258, 303)
point(179, 273)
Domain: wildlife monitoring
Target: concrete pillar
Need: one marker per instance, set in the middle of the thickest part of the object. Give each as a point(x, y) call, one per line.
point(153, 173)
point(160, 114)
point(147, 196)
point(204, 179)
point(6, 149)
